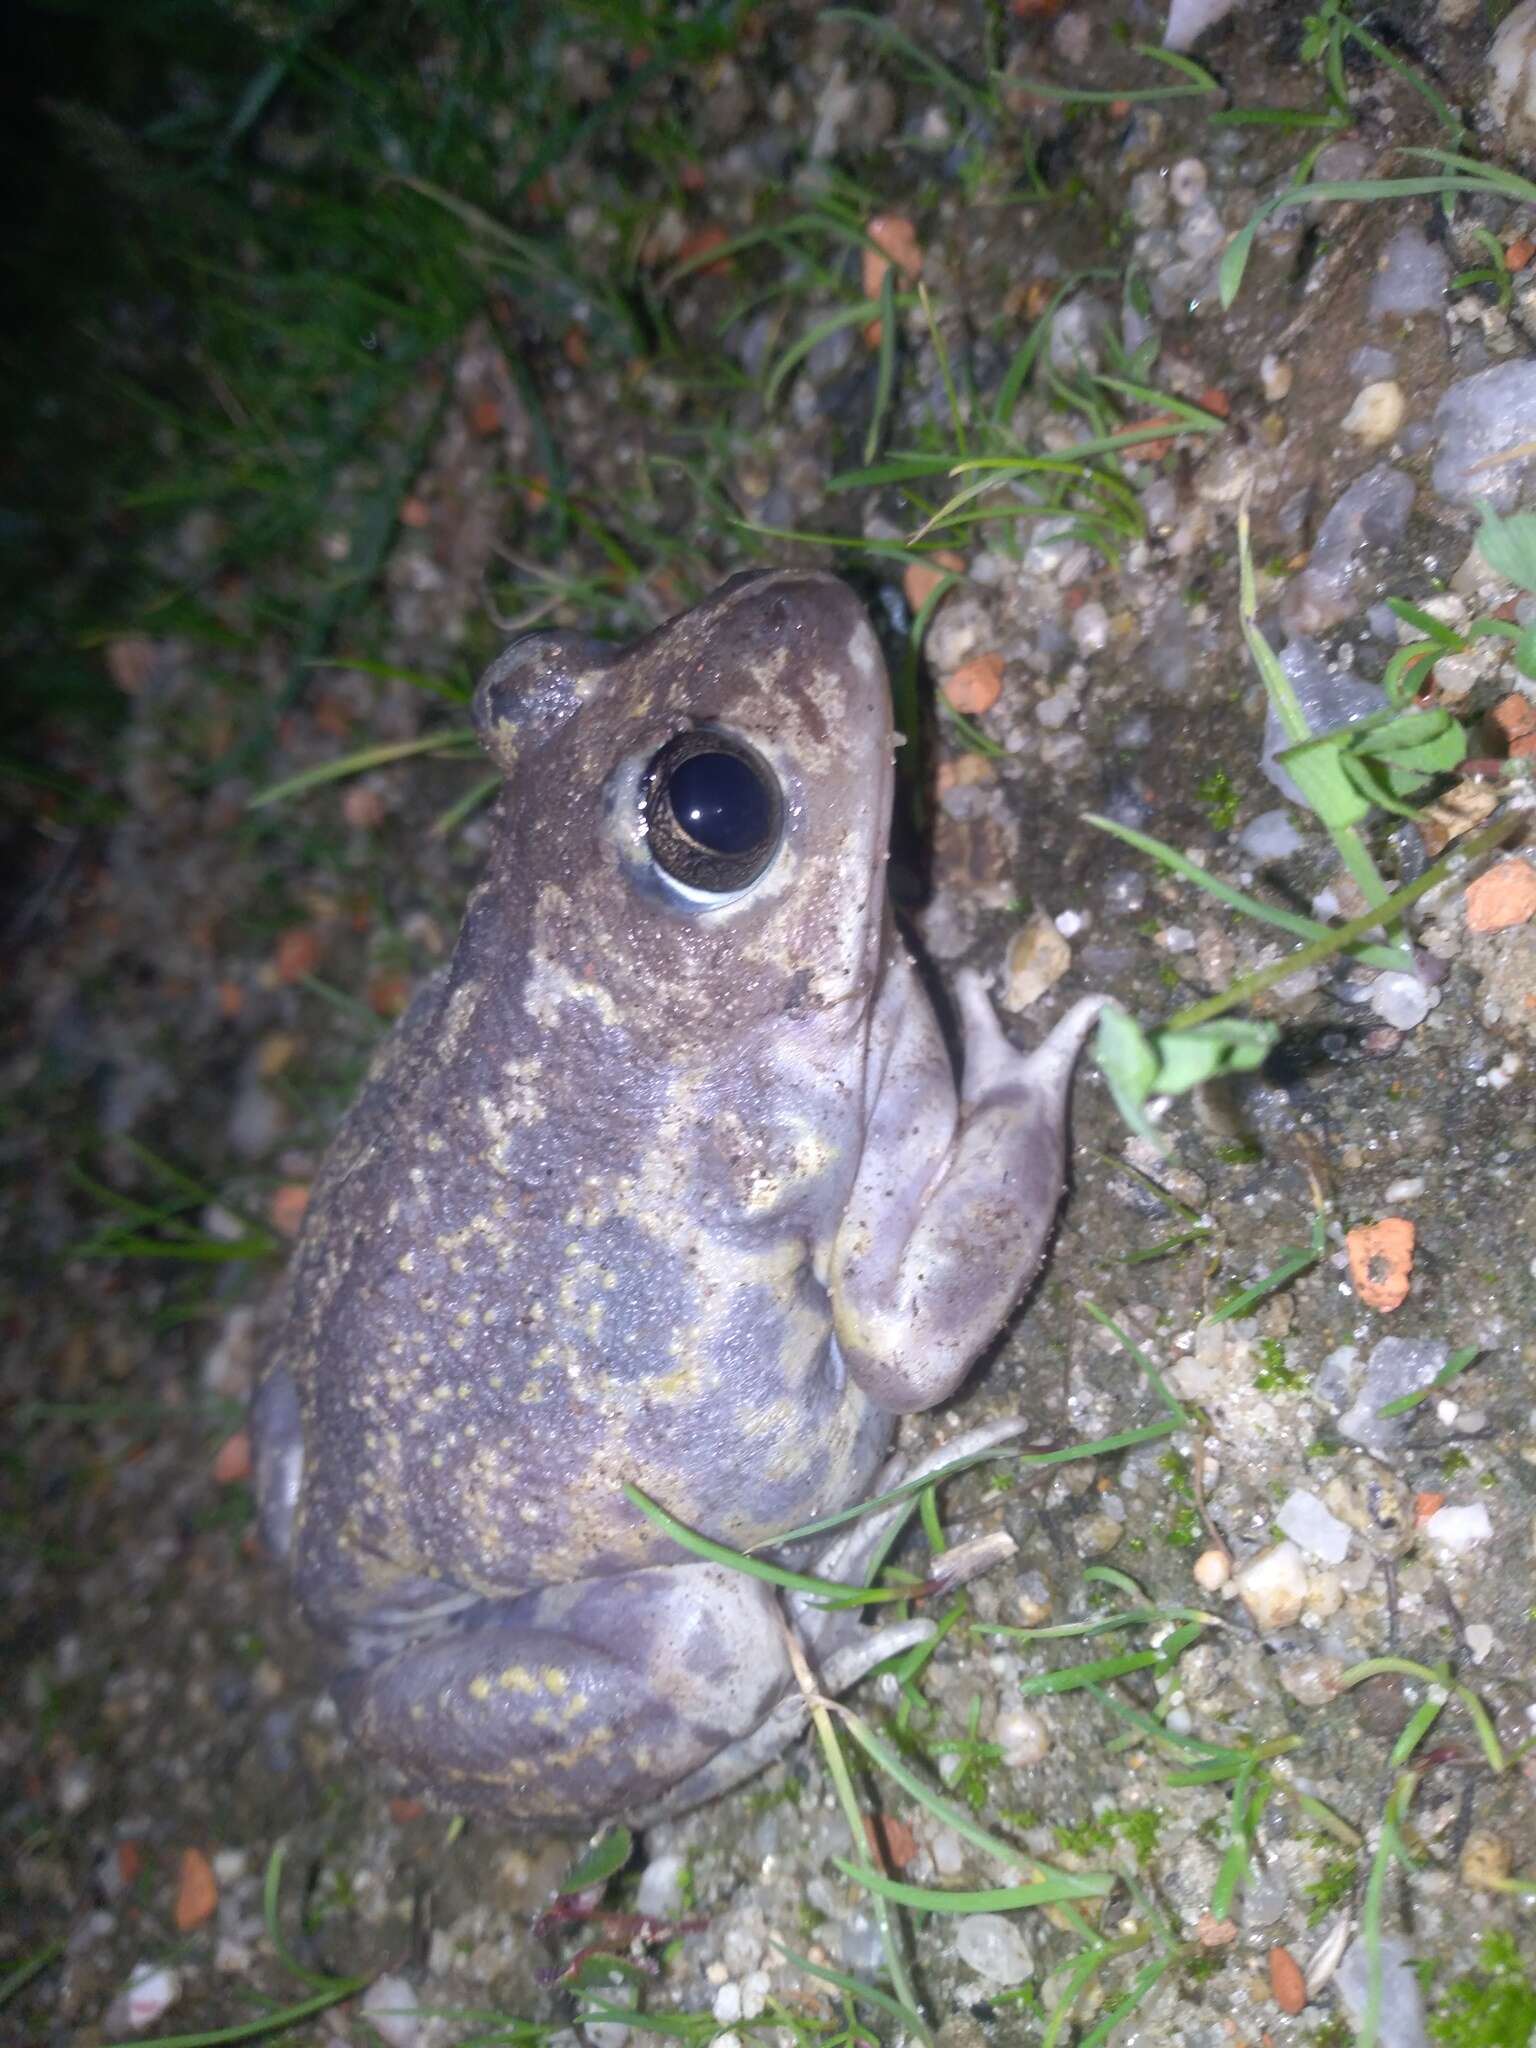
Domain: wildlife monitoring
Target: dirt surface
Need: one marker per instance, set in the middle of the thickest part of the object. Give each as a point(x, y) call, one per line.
point(194, 987)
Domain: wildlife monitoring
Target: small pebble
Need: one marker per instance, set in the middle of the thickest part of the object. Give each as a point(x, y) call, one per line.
point(1273, 1587)
point(994, 1948)
point(1459, 1529)
point(391, 2009)
point(1270, 836)
point(1401, 1000)
point(1090, 628)
point(1212, 1569)
point(1022, 1736)
point(659, 1894)
point(1038, 957)
point(1312, 1681)
point(1400, 2016)
point(1485, 1862)
point(1376, 414)
point(1097, 1534)
point(1310, 1525)
point(1187, 181)
point(1276, 376)
point(150, 1992)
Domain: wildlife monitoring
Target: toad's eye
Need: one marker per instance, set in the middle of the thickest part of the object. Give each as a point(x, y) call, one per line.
point(713, 813)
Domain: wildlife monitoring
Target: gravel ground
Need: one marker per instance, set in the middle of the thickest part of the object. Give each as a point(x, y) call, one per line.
point(195, 987)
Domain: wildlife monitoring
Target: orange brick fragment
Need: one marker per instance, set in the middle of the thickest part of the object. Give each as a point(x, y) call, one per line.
point(1427, 1504)
point(895, 240)
point(1518, 253)
point(1286, 1983)
point(403, 1811)
point(197, 1891)
point(891, 1838)
point(287, 1207)
point(921, 579)
point(699, 244)
point(1513, 716)
point(1503, 896)
point(1381, 1261)
point(233, 1462)
point(298, 953)
point(976, 685)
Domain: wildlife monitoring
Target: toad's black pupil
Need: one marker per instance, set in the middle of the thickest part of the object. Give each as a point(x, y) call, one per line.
point(720, 802)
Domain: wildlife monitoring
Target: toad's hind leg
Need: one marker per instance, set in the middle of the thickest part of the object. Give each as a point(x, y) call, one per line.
point(577, 1703)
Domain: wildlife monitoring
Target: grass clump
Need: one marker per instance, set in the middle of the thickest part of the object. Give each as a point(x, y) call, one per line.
point(1491, 2006)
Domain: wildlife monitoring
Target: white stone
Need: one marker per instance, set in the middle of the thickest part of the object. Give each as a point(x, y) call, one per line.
point(1411, 277)
point(1402, 2001)
point(1022, 1736)
point(1089, 627)
point(1270, 836)
point(1308, 1523)
point(1273, 1587)
point(1189, 19)
point(150, 1992)
point(1481, 418)
point(1512, 79)
point(1396, 1366)
point(390, 2008)
point(994, 1948)
point(1371, 513)
point(754, 1994)
point(727, 2005)
point(1401, 1000)
point(1459, 1529)
point(659, 1894)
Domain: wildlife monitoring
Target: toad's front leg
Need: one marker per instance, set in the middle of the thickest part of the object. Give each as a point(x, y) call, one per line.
point(955, 1194)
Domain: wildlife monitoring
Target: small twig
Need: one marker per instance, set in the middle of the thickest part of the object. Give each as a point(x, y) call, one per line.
point(1197, 1480)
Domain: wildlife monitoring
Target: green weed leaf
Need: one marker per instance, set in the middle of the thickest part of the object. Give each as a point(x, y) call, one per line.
point(606, 1857)
point(1317, 769)
point(1508, 544)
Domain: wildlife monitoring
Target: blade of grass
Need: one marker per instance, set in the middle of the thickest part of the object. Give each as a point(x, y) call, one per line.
point(828, 1590)
point(1343, 936)
point(1452, 1369)
point(1280, 1274)
point(449, 741)
point(1236, 899)
point(1016, 1898)
point(885, 369)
